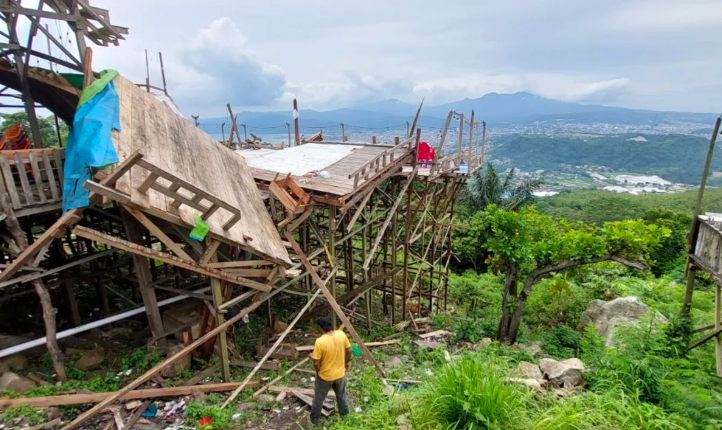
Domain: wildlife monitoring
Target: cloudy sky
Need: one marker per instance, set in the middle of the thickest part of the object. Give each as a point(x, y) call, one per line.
point(652, 54)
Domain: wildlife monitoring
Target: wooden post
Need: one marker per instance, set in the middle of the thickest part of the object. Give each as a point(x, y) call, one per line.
point(692, 236)
point(332, 252)
point(373, 140)
point(217, 291)
point(483, 140)
point(145, 280)
point(394, 235)
point(471, 140)
point(223, 133)
point(147, 75)
point(295, 122)
point(162, 73)
point(407, 130)
point(343, 133)
point(195, 119)
point(717, 327)
point(443, 134)
point(332, 301)
point(288, 129)
point(365, 273)
point(245, 132)
point(461, 134)
point(13, 227)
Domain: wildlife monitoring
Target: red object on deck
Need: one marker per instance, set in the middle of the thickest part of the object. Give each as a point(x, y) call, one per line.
point(426, 153)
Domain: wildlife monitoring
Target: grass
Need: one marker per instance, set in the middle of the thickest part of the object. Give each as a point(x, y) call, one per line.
point(470, 394)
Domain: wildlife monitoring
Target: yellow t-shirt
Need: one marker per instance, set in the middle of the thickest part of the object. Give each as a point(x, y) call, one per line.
point(331, 350)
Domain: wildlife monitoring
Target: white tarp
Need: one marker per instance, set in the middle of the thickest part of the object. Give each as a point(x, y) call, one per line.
point(298, 160)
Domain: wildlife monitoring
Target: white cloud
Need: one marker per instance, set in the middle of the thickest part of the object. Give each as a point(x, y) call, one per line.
point(664, 15)
point(217, 67)
point(348, 89)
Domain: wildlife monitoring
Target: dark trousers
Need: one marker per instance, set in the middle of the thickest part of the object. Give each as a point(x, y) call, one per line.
point(321, 390)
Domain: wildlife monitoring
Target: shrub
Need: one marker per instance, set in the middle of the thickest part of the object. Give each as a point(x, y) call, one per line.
point(562, 342)
point(469, 329)
point(470, 394)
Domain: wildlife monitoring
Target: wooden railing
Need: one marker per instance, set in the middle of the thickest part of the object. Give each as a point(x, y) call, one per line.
point(33, 178)
point(708, 247)
point(377, 163)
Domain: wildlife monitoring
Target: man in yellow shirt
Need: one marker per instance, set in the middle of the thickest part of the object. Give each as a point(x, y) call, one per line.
point(331, 358)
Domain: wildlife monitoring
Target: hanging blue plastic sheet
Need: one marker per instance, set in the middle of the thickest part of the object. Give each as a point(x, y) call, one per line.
point(89, 143)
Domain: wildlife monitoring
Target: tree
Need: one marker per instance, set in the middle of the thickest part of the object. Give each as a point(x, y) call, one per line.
point(527, 247)
point(672, 252)
point(46, 125)
point(486, 187)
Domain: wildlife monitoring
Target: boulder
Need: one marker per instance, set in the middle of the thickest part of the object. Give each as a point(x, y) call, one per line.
point(528, 382)
point(567, 373)
point(429, 344)
point(10, 381)
point(90, 360)
point(529, 370)
point(13, 362)
point(532, 349)
point(392, 362)
point(184, 363)
point(608, 316)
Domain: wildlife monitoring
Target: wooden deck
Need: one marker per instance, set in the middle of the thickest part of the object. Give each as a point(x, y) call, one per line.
point(174, 146)
point(339, 184)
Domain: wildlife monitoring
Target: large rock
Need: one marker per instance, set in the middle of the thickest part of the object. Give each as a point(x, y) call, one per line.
point(530, 383)
point(608, 316)
point(91, 360)
point(10, 381)
point(13, 362)
point(184, 363)
point(392, 362)
point(529, 370)
point(567, 373)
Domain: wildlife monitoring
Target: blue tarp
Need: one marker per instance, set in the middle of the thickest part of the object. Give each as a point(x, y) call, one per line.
point(89, 144)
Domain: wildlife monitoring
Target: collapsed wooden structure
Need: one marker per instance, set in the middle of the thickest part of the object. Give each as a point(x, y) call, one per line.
point(357, 224)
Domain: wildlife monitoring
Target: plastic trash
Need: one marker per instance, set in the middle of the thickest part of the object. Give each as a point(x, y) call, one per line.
point(324, 174)
point(200, 230)
point(356, 350)
point(151, 411)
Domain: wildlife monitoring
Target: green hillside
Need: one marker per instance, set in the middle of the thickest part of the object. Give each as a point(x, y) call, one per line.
point(677, 158)
point(596, 206)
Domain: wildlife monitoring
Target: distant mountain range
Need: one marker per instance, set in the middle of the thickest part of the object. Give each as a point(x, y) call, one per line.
point(499, 110)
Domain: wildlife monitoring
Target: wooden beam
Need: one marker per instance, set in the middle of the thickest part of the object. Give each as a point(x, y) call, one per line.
point(389, 217)
point(124, 245)
point(705, 339)
point(211, 248)
point(270, 351)
point(157, 368)
point(149, 393)
point(342, 316)
point(157, 232)
point(443, 133)
point(236, 264)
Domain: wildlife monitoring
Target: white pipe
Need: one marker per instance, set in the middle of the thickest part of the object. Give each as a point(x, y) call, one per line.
point(75, 330)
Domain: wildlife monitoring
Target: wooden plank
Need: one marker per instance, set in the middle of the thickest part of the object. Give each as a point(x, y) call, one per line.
point(38, 176)
point(359, 210)
point(51, 177)
point(271, 350)
point(23, 175)
point(211, 248)
point(705, 339)
point(308, 401)
point(124, 245)
point(319, 282)
point(444, 133)
point(59, 157)
point(69, 218)
point(306, 348)
point(253, 273)
point(282, 196)
point(157, 232)
point(148, 393)
point(157, 368)
point(10, 181)
point(233, 264)
point(389, 217)
point(107, 192)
